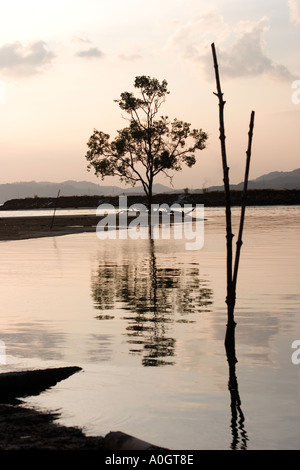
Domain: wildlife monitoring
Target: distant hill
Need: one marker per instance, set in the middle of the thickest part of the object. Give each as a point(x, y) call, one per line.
point(278, 180)
point(273, 180)
point(21, 190)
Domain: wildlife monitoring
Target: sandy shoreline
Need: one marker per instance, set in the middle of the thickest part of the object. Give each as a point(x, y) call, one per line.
point(20, 228)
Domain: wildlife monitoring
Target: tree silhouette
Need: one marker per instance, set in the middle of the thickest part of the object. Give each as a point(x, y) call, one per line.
point(148, 145)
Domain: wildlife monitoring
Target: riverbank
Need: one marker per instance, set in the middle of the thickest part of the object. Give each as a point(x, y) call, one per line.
point(255, 197)
point(23, 428)
point(20, 228)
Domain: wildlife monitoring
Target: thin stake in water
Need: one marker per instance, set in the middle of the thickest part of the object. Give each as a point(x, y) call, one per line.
point(52, 222)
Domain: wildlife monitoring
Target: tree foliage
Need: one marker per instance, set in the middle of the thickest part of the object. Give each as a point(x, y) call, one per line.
point(150, 144)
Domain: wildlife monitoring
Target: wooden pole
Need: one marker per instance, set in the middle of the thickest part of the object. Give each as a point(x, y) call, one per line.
point(236, 411)
point(52, 222)
point(244, 201)
point(229, 234)
point(231, 273)
point(232, 296)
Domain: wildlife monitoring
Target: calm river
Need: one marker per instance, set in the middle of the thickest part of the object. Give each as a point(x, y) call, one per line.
point(146, 322)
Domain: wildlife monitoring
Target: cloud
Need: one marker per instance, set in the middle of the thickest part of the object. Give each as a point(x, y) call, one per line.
point(241, 49)
point(201, 32)
point(130, 57)
point(19, 60)
point(81, 39)
point(294, 7)
point(91, 53)
point(247, 56)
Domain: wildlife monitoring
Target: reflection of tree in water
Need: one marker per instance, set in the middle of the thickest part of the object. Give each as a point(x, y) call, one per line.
point(155, 296)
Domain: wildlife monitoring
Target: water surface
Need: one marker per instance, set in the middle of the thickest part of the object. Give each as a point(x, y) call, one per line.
point(146, 322)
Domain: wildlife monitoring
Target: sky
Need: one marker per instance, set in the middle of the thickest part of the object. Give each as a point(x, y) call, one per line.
point(63, 63)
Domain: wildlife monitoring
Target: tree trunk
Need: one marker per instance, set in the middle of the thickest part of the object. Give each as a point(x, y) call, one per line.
point(149, 208)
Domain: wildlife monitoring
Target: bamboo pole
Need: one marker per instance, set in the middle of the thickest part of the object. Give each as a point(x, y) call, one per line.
point(231, 272)
point(222, 137)
point(244, 202)
point(239, 243)
point(236, 411)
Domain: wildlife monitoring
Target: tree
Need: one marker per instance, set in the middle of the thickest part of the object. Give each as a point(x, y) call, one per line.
point(149, 145)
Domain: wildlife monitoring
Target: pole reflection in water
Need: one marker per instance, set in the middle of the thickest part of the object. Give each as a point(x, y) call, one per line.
point(239, 434)
point(156, 293)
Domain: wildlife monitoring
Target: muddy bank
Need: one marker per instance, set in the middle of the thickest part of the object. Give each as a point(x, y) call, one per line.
point(15, 385)
point(18, 228)
point(23, 428)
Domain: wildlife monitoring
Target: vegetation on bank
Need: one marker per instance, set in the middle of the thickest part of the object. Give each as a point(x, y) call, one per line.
point(256, 197)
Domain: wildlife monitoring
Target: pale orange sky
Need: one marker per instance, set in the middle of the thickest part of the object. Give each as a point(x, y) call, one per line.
point(62, 65)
